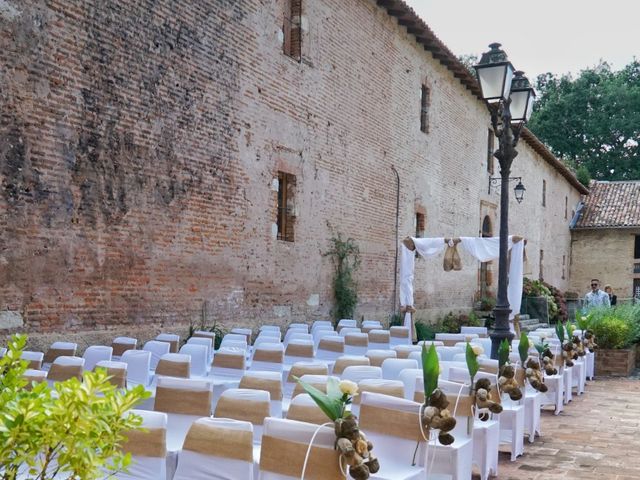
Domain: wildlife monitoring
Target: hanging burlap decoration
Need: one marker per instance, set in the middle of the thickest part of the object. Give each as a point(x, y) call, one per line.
point(452, 259)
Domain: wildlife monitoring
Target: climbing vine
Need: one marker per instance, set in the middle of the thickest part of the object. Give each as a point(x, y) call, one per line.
point(346, 260)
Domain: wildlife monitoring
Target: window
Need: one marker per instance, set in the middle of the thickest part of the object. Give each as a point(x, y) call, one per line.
point(636, 288)
point(564, 261)
point(286, 207)
point(541, 274)
point(292, 29)
point(425, 101)
point(636, 250)
point(544, 193)
point(419, 225)
point(566, 207)
point(490, 149)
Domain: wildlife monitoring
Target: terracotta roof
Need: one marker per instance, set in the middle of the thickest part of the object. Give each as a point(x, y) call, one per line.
point(408, 18)
point(611, 205)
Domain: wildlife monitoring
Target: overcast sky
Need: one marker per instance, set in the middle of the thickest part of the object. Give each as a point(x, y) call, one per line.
point(558, 36)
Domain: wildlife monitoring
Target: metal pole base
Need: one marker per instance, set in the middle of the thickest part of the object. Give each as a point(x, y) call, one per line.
point(501, 329)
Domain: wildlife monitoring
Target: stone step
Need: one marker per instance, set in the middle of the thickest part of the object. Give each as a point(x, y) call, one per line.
point(529, 321)
point(531, 327)
point(524, 316)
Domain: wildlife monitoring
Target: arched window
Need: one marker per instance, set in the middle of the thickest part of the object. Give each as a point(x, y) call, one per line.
point(487, 229)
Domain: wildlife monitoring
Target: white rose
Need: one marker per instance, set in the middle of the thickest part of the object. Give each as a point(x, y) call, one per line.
point(542, 335)
point(477, 350)
point(348, 387)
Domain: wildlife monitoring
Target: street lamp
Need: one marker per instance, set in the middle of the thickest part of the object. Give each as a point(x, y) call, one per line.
point(509, 97)
point(518, 190)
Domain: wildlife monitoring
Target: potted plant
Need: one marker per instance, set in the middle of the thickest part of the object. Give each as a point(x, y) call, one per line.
point(616, 332)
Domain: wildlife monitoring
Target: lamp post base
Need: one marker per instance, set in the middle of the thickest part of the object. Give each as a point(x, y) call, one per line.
point(501, 329)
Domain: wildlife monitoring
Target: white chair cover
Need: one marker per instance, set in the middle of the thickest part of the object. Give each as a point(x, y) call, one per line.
point(269, 327)
point(346, 323)
point(269, 381)
point(268, 357)
point(321, 333)
point(400, 335)
point(403, 351)
point(479, 330)
point(199, 358)
point(207, 342)
point(228, 363)
point(246, 405)
point(114, 370)
point(247, 332)
point(392, 367)
point(94, 354)
point(35, 359)
point(330, 348)
point(138, 366)
point(355, 343)
point(174, 365)
point(379, 339)
point(157, 349)
point(356, 373)
point(376, 357)
point(233, 337)
point(299, 326)
point(218, 449)
point(172, 339)
point(265, 339)
point(321, 324)
point(303, 408)
point(122, 344)
point(346, 330)
point(67, 349)
point(447, 353)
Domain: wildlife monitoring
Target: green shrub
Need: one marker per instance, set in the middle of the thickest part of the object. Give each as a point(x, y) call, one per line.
point(612, 332)
point(425, 331)
point(346, 260)
point(74, 430)
point(451, 322)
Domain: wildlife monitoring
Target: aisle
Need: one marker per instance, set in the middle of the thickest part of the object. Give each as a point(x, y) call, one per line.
point(597, 436)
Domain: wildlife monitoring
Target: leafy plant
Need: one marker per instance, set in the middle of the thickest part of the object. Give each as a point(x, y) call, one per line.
point(425, 331)
point(430, 370)
point(215, 328)
point(612, 333)
point(472, 362)
point(452, 323)
point(346, 260)
point(560, 332)
point(74, 430)
point(523, 348)
point(601, 319)
point(334, 402)
point(503, 353)
point(487, 303)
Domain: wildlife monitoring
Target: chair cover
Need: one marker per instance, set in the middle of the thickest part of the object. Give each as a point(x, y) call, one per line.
point(347, 330)
point(269, 381)
point(117, 371)
point(356, 373)
point(172, 339)
point(450, 339)
point(393, 388)
point(369, 325)
point(284, 448)
point(567, 374)
point(297, 334)
point(157, 349)
point(318, 381)
point(207, 342)
point(299, 326)
point(481, 331)
point(269, 327)
point(35, 359)
point(32, 375)
point(376, 357)
point(205, 334)
point(532, 405)
point(303, 408)
point(229, 363)
point(321, 324)
point(392, 367)
point(58, 349)
point(199, 358)
point(579, 375)
point(268, 357)
point(64, 367)
point(243, 331)
point(555, 393)
point(148, 448)
point(346, 323)
point(120, 345)
point(217, 448)
point(265, 339)
point(138, 366)
point(174, 365)
point(234, 337)
point(298, 350)
point(348, 361)
point(447, 353)
point(247, 405)
point(403, 351)
point(356, 343)
point(299, 369)
point(399, 336)
point(320, 334)
point(379, 339)
point(94, 354)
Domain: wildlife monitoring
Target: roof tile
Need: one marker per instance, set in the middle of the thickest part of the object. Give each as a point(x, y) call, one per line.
point(611, 205)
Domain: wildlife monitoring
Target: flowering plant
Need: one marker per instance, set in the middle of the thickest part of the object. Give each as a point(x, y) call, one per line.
point(334, 402)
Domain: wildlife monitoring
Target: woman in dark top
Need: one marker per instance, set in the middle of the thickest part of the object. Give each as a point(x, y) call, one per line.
point(613, 299)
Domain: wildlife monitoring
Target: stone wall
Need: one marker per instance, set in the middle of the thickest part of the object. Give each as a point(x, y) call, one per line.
point(139, 145)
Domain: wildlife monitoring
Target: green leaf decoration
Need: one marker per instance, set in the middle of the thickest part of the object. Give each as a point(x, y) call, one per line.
point(560, 331)
point(430, 370)
point(523, 348)
point(472, 362)
point(540, 347)
point(570, 329)
point(331, 407)
point(503, 353)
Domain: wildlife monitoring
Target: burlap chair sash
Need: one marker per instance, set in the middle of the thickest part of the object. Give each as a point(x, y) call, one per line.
point(306, 413)
point(60, 373)
point(186, 402)
point(120, 348)
point(520, 376)
point(286, 457)
point(150, 442)
point(34, 378)
point(117, 376)
point(299, 389)
point(368, 329)
point(223, 360)
point(399, 332)
point(376, 360)
point(296, 350)
point(220, 442)
point(300, 370)
point(391, 422)
point(465, 403)
point(391, 390)
point(173, 344)
point(356, 340)
point(489, 369)
point(379, 337)
point(272, 356)
point(342, 363)
point(35, 364)
point(330, 346)
point(450, 343)
point(212, 335)
point(173, 369)
point(54, 353)
point(246, 410)
point(274, 387)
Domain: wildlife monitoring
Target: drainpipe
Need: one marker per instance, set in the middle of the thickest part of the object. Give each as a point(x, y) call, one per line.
point(395, 269)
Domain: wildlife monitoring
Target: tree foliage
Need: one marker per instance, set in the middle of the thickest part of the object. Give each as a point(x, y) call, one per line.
point(346, 260)
point(592, 121)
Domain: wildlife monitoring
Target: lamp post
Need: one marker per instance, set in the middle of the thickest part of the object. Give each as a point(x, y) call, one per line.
point(509, 98)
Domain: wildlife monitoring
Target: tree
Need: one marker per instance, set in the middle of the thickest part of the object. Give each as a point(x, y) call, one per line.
point(592, 121)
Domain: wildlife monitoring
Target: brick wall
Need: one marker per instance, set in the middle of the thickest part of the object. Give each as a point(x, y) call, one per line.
point(139, 146)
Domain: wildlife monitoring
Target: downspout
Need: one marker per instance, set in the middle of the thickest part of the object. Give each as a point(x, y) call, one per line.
point(395, 269)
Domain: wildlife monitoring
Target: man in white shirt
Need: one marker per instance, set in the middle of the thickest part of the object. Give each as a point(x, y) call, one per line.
point(596, 297)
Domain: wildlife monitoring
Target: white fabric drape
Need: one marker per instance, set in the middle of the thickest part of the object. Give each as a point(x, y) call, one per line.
point(516, 280)
point(428, 247)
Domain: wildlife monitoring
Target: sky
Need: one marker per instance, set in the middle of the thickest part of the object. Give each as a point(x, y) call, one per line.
point(558, 36)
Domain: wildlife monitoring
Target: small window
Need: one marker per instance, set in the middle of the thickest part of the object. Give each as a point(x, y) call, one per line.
point(636, 249)
point(286, 206)
point(490, 150)
point(292, 29)
point(566, 207)
point(564, 261)
point(541, 274)
point(425, 102)
point(420, 225)
point(544, 193)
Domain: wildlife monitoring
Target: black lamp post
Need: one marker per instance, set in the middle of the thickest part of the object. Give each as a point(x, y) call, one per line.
point(509, 97)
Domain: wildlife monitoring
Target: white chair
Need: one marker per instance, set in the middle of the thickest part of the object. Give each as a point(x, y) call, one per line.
point(567, 374)
point(35, 359)
point(379, 339)
point(356, 373)
point(376, 357)
point(299, 369)
point(532, 405)
point(148, 448)
point(447, 353)
point(298, 350)
point(243, 331)
point(321, 333)
point(207, 342)
point(318, 381)
point(172, 339)
point(321, 324)
point(64, 368)
point(348, 361)
point(355, 343)
point(555, 392)
point(481, 331)
point(174, 365)
point(399, 336)
point(117, 372)
point(199, 358)
point(297, 336)
point(270, 334)
point(347, 330)
point(268, 357)
point(429, 343)
point(284, 449)
point(368, 325)
point(233, 337)
point(265, 339)
point(269, 381)
point(205, 334)
point(228, 363)
point(184, 401)
point(58, 349)
point(346, 323)
point(269, 327)
point(412, 379)
point(450, 339)
point(392, 367)
point(403, 351)
point(32, 375)
point(299, 326)
point(157, 348)
point(138, 366)
point(579, 375)
point(94, 354)
point(246, 405)
point(120, 345)
point(216, 448)
point(394, 442)
point(330, 348)
point(303, 408)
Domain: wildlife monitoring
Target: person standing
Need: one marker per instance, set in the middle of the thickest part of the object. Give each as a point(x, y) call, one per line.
point(613, 299)
point(596, 297)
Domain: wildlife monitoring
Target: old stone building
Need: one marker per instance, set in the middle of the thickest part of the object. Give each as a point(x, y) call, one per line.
point(606, 239)
point(178, 162)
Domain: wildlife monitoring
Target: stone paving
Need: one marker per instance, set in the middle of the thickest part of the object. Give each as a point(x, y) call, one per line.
point(597, 436)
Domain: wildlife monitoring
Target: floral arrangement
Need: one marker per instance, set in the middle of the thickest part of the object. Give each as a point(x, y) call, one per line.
point(507, 379)
point(350, 441)
point(481, 389)
point(435, 412)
